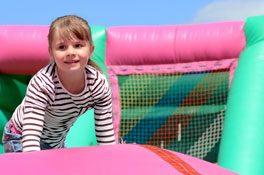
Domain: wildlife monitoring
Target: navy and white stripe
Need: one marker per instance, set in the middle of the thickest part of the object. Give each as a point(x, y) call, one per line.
point(48, 110)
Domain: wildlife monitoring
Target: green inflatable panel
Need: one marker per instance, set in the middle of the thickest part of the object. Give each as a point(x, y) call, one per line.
point(83, 131)
point(12, 91)
point(22, 78)
point(2, 149)
point(99, 38)
point(4, 117)
point(242, 143)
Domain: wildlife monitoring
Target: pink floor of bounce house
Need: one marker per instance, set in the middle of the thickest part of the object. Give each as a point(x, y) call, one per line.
point(177, 92)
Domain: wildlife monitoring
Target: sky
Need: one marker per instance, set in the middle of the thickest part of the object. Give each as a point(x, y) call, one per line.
point(128, 12)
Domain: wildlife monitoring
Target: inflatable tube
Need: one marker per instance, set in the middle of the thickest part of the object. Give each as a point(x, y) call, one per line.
point(24, 48)
point(111, 160)
point(241, 148)
point(152, 45)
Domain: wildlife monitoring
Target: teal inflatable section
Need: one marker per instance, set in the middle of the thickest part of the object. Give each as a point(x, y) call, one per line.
point(99, 39)
point(83, 131)
point(13, 89)
point(241, 148)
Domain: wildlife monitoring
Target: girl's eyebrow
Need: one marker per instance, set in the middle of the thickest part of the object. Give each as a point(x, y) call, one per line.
point(59, 43)
point(74, 41)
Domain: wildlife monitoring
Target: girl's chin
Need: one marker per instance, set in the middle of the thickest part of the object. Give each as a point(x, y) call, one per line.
point(76, 67)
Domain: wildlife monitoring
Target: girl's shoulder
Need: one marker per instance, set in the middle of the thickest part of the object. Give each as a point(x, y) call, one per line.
point(48, 71)
point(93, 73)
point(45, 75)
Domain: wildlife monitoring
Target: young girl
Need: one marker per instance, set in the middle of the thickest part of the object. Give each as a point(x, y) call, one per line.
point(61, 92)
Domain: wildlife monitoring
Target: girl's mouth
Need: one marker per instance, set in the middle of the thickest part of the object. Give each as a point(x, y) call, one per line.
point(71, 61)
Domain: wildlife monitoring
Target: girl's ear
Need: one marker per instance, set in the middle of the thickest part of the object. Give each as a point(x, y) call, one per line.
point(51, 55)
point(50, 52)
point(91, 50)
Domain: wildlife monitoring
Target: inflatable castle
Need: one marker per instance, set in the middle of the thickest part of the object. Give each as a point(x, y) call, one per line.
point(187, 99)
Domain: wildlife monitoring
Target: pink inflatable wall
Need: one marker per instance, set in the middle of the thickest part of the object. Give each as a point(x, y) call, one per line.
point(24, 51)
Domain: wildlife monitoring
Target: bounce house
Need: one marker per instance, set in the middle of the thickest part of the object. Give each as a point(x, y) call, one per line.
point(186, 99)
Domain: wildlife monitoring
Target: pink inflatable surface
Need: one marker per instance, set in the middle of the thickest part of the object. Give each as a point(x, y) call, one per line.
point(121, 159)
point(24, 49)
point(150, 45)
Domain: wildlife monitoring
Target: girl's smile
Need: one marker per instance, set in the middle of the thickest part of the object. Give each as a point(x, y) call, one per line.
point(71, 62)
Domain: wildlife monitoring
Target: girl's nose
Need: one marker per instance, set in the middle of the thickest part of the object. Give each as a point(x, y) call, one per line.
point(70, 51)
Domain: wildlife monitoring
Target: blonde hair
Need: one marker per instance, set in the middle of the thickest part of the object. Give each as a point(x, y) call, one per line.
point(72, 24)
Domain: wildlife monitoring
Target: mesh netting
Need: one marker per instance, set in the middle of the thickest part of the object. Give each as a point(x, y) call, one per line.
point(179, 111)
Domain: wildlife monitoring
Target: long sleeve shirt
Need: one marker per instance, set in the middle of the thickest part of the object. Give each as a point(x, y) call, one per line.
point(48, 110)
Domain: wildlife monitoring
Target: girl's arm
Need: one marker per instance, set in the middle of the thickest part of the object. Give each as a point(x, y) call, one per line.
point(104, 129)
point(34, 111)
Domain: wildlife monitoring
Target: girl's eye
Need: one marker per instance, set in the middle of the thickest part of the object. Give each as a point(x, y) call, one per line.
point(78, 45)
point(62, 47)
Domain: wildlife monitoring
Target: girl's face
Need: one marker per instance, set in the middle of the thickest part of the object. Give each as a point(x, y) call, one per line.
point(70, 55)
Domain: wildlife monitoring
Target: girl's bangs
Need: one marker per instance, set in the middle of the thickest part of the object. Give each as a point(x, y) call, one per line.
point(77, 32)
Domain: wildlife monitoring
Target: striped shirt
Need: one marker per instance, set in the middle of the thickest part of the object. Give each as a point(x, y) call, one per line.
point(48, 110)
